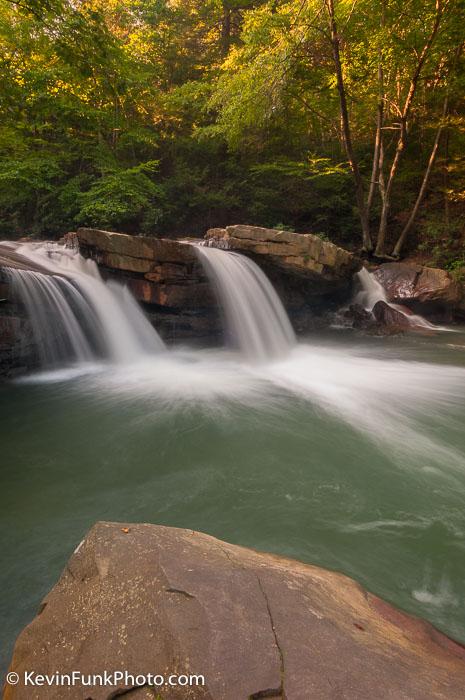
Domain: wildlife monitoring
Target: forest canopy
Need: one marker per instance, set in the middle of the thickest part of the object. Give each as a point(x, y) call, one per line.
point(344, 118)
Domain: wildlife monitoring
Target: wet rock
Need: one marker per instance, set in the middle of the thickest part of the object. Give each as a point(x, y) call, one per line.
point(18, 352)
point(359, 318)
point(390, 317)
point(423, 289)
point(152, 599)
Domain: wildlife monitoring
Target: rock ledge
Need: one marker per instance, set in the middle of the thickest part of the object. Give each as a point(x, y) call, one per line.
point(152, 599)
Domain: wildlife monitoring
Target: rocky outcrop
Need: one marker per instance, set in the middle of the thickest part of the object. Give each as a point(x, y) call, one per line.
point(425, 290)
point(326, 268)
point(150, 599)
point(163, 274)
point(312, 276)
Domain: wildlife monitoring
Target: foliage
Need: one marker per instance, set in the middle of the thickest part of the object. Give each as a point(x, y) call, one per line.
point(169, 116)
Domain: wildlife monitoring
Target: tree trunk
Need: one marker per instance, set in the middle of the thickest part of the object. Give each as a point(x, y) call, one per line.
point(225, 30)
point(381, 242)
point(346, 132)
point(401, 240)
point(379, 121)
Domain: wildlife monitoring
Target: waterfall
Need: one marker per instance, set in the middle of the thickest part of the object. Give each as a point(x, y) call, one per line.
point(372, 291)
point(255, 317)
point(75, 316)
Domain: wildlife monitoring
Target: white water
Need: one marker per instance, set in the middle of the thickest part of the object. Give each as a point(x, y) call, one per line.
point(388, 399)
point(256, 321)
point(75, 315)
point(372, 292)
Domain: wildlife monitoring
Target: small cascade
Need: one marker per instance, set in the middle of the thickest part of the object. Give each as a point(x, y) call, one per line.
point(256, 320)
point(76, 316)
point(372, 291)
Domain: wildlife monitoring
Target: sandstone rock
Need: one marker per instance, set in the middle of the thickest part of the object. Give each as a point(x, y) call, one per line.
point(121, 244)
point(421, 288)
point(151, 599)
point(187, 296)
point(329, 267)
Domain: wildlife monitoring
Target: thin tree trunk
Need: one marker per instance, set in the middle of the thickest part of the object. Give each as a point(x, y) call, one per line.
point(401, 240)
point(446, 182)
point(382, 184)
point(376, 152)
point(225, 30)
point(381, 242)
point(346, 131)
point(379, 120)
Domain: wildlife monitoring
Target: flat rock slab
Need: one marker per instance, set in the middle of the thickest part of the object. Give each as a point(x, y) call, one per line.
point(304, 254)
point(152, 599)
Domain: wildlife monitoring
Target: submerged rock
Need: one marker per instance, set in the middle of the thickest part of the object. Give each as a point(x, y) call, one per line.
point(423, 289)
point(151, 599)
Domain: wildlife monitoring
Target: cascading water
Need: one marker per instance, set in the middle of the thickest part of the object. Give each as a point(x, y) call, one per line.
point(256, 319)
point(75, 315)
point(372, 291)
point(348, 452)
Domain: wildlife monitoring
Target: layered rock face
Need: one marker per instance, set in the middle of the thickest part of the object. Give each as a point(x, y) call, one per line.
point(18, 352)
point(425, 290)
point(163, 274)
point(150, 599)
point(302, 254)
point(308, 272)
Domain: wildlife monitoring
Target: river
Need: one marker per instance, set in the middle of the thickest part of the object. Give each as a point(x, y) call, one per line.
point(348, 453)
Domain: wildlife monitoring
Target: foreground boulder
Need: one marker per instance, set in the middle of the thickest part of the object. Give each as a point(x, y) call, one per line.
point(426, 290)
point(150, 599)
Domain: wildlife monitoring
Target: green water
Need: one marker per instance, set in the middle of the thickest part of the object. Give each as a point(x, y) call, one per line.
point(350, 456)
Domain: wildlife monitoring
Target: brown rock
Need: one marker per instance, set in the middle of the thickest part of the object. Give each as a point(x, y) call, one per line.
point(125, 262)
point(390, 317)
point(159, 249)
point(163, 600)
point(168, 273)
point(437, 285)
point(187, 297)
point(327, 267)
point(416, 285)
